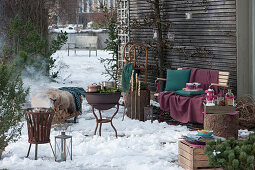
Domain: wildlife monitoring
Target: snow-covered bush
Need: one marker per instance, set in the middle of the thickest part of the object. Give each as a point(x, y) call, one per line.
point(12, 98)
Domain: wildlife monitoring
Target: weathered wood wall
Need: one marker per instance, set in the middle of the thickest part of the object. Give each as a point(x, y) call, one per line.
point(208, 40)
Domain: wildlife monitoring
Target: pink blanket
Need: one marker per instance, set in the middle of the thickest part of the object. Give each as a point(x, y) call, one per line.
point(189, 109)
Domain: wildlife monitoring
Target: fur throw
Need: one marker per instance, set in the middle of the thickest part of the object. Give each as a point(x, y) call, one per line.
point(62, 100)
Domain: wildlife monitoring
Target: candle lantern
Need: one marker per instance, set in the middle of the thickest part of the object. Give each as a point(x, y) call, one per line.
point(155, 33)
point(188, 15)
point(148, 113)
point(170, 36)
point(63, 147)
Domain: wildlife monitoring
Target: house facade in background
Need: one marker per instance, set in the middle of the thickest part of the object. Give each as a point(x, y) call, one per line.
point(205, 34)
point(78, 11)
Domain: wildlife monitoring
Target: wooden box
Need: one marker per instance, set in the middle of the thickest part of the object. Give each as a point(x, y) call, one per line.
point(190, 157)
point(135, 104)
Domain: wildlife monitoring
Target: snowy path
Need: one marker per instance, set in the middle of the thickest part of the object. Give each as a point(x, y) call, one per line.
point(140, 145)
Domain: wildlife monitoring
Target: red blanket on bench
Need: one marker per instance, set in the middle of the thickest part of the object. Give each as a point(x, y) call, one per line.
point(189, 109)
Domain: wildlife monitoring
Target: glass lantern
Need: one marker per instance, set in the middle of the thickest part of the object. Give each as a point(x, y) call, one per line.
point(63, 147)
point(188, 15)
point(170, 36)
point(148, 113)
point(155, 33)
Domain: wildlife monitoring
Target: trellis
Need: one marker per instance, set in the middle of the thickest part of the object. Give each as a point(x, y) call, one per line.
point(123, 29)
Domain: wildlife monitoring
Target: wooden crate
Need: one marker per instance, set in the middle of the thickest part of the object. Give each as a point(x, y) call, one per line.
point(140, 102)
point(190, 157)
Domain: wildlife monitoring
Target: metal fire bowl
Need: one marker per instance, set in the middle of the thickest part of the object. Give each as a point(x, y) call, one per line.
point(103, 101)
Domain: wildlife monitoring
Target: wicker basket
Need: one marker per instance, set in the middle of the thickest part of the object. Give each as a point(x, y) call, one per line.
point(246, 108)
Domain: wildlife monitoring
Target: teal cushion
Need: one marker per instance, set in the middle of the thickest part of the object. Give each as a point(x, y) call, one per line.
point(177, 79)
point(189, 93)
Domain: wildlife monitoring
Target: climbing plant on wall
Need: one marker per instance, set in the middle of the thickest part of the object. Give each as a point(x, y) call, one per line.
point(112, 43)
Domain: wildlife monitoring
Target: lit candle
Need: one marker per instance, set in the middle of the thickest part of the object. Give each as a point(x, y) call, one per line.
point(139, 89)
point(136, 80)
point(132, 81)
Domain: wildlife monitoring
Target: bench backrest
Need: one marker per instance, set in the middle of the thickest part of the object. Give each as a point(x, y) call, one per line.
point(223, 77)
point(86, 41)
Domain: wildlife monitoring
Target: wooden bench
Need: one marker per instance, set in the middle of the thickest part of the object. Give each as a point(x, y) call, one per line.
point(222, 81)
point(84, 42)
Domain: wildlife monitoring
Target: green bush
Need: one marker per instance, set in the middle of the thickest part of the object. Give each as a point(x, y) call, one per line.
point(13, 96)
point(31, 48)
point(232, 154)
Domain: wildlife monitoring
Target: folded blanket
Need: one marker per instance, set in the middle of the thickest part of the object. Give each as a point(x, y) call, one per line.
point(126, 76)
point(77, 92)
point(188, 109)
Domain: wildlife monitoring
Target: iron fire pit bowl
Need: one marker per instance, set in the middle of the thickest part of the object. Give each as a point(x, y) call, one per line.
point(103, 101)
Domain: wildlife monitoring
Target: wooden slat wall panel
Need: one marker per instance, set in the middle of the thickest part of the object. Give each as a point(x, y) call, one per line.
point(212, 27)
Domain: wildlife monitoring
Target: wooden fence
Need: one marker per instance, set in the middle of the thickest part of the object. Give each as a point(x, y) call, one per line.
point(207, 40)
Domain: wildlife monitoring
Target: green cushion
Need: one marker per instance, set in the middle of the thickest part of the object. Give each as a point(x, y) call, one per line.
point(189, 93)
point(177, 79)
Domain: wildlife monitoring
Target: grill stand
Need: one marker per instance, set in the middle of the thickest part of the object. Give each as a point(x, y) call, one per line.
point(101, 120)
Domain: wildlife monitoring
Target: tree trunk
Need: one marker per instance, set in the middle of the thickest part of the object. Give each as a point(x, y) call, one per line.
point(222, 125)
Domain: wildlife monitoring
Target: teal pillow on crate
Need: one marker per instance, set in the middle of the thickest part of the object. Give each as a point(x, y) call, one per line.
point(177, 79)
point(189, 93)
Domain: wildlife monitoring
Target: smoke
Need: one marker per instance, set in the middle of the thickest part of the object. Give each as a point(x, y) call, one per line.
point(40, 99)
point(35, 79)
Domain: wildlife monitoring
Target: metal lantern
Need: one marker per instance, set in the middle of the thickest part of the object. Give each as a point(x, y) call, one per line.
point(63, 147)
point(148, 113)
point(155, 33)
point(170, 36)
point(188, 15)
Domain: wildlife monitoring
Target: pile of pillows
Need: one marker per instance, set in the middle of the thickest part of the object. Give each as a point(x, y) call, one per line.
point(176, 80)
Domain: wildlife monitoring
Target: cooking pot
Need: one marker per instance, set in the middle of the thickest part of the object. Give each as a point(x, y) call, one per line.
point(109, 84)
point(94, 88)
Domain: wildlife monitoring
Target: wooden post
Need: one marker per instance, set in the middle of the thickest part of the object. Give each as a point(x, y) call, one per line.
point(36, 149)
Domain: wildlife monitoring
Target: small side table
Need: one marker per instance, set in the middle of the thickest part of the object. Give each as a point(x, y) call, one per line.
point(100, 120)
point(223, 120)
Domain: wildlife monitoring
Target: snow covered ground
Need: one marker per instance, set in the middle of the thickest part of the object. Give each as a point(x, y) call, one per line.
point(140, 145)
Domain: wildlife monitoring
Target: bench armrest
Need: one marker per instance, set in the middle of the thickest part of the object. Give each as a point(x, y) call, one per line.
point(160, 79)
point(219, 85)
point(157, 84)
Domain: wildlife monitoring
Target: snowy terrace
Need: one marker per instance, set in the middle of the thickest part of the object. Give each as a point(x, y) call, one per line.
point(140, 145)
